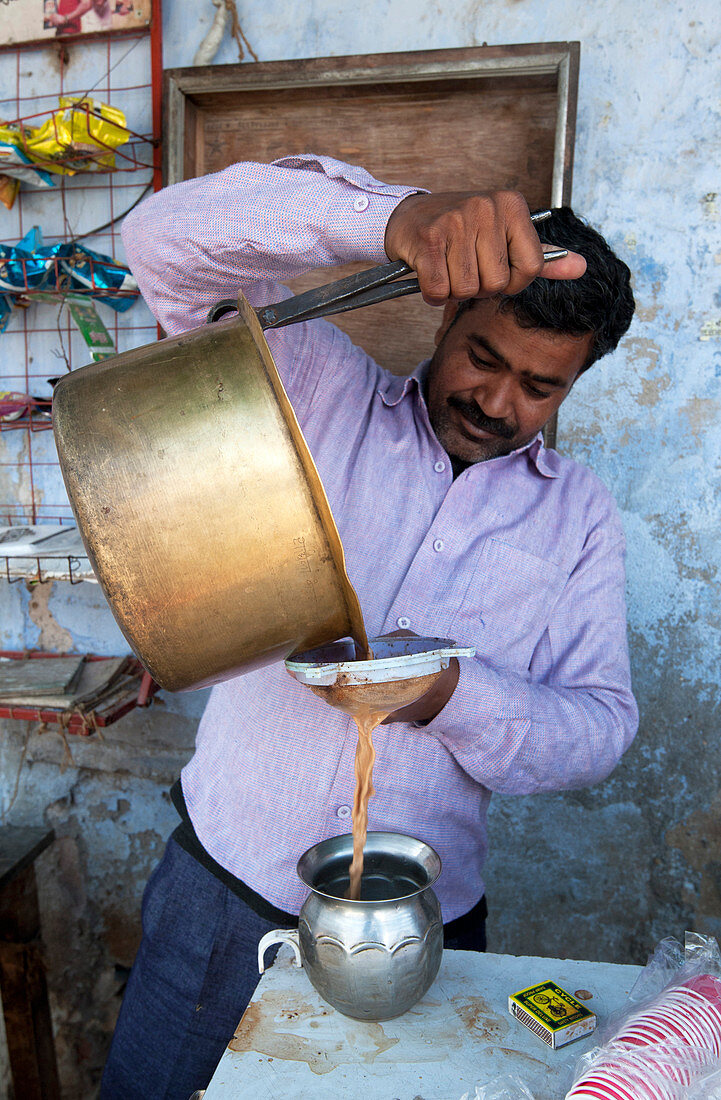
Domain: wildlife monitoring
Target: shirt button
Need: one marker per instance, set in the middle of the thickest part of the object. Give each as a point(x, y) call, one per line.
point(438, 545)
point(343, 811)
point(439, 467)
point(360, 204)
point(403, 622)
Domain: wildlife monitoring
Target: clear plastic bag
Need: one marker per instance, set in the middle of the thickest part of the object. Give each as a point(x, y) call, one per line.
point(505, 1087)
point(708, 1088)
point(665, 1044)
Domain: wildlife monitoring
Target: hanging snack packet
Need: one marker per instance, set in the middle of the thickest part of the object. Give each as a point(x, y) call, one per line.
point(9, 188)
point(6, 305)
point(80, 137)
point(30, 266)
point(91, 328)
point(27, 265)
point(15, 162)
point(97, 273)
point(88, 323)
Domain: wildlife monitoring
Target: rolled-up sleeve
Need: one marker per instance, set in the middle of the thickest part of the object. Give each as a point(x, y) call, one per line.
point(568, 721)
point(250, 227)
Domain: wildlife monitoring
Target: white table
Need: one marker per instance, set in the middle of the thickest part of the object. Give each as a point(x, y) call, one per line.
point(291, 1045)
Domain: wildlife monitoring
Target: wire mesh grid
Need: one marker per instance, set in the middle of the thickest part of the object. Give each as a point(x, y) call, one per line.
point(41, 341)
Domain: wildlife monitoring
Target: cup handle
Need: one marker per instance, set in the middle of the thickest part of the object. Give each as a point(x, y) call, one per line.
point(278, 935)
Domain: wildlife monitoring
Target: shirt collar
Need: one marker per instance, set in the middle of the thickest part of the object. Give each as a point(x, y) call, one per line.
point(547, 462)
point(394, 388)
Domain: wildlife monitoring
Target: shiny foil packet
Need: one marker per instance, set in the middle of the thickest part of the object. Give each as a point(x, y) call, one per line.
point(16, 164)
point(62, 268)
point(98, 274)
point(80, 136)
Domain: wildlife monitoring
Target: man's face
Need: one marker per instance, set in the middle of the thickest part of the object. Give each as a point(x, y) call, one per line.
point(492, 385)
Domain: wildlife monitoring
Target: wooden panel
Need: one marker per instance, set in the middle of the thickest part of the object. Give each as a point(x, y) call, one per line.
point(471, 119)
point(440, 134)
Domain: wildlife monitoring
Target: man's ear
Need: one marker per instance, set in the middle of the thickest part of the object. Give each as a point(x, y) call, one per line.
point(450, 310)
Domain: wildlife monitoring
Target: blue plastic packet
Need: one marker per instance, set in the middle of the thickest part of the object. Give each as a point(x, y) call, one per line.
point(31, 266)
point(5, 311)
point(99, 274)
point(27, 265)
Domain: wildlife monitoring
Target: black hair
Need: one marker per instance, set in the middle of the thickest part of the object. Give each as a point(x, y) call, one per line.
point(601, 301)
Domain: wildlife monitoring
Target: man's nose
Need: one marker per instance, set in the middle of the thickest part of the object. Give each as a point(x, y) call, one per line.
point(494, 397)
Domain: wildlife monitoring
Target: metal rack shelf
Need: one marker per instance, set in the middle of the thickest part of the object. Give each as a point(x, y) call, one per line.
point(33, 422)
point(43, 552)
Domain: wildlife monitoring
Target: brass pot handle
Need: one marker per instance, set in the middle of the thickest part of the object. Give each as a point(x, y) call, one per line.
point(227, 305)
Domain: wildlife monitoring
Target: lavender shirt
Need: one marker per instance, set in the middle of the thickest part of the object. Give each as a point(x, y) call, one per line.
point(521, 556)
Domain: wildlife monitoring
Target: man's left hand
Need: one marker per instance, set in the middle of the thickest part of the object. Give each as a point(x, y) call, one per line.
point(432, 701)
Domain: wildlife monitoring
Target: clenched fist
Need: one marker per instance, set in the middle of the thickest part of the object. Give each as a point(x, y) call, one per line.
point(471, 245)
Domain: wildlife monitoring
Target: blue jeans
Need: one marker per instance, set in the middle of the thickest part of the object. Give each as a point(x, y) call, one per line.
point(195, 971)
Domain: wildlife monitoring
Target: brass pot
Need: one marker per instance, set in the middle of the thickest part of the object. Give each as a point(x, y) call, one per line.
point(201, 510)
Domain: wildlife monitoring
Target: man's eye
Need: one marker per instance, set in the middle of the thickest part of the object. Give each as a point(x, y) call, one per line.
point(536, 392)
point(478, 362)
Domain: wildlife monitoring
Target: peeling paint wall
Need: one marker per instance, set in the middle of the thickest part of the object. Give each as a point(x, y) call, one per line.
point(602, 873)
point(108, 802)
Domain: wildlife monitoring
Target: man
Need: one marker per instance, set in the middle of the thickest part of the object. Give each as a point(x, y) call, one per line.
point(86, 15)
point(456, 522)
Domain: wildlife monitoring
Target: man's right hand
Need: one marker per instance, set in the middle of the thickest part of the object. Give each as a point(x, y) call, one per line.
point(471, 245)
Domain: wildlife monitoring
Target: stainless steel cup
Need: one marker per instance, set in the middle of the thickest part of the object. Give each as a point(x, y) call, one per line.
point(372, 959)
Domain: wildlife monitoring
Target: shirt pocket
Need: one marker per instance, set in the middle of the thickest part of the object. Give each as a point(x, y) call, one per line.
point(508, 604)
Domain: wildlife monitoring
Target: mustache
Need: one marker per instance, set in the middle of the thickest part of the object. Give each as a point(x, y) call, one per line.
point(478, 418)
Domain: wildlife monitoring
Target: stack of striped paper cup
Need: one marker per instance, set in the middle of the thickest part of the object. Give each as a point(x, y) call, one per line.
point(660, 1050)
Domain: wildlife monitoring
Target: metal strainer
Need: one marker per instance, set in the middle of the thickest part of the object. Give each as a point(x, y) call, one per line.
point(402, 670)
